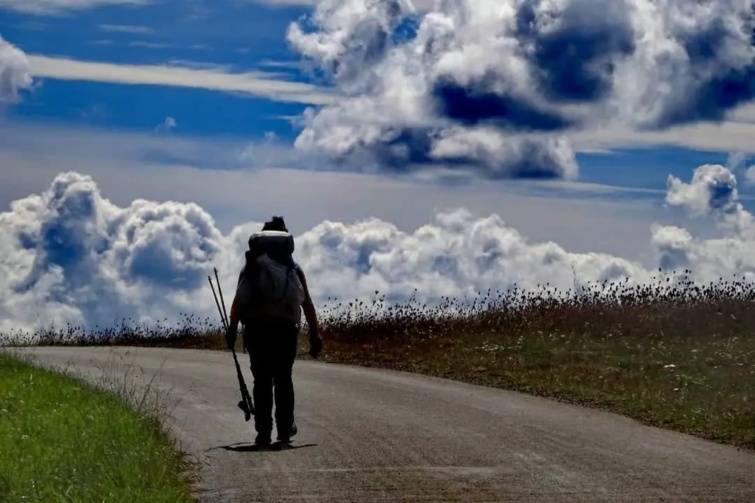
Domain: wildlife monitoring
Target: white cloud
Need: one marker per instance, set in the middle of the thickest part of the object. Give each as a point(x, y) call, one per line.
point(233, 177)
point(210, 77)
point(419, 5)
point(168, 124)
point(713, 188)
point(150, 45)
point(750, 175)
point(122, 28)
point(14, 72)
point(87, 260)
point(520, 67)
point(745, 113)
point(727, 136)
point(56, 7)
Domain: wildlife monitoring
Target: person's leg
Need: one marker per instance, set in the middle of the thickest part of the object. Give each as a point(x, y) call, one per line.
point(285, 355)
point(262, 392)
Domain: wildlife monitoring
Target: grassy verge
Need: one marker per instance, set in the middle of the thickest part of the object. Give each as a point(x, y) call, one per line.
point(672, 354)
point(677, 356)
point(63, 440)
point(708, 391)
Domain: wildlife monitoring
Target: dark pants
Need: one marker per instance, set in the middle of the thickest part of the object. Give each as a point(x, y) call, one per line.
point(272, 345)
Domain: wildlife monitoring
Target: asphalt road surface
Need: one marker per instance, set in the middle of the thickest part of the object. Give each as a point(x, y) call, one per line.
point(370, 435)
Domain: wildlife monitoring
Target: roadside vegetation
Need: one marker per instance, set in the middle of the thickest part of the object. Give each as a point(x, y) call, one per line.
point(64, 440)
point(672, 353)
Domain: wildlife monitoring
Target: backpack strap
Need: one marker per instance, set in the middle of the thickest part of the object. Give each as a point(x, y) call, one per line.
point(288, 282)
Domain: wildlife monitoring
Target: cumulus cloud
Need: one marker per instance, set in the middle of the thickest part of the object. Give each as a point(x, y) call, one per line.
point(712, 191)
point(72, 256)
point(14, 72)
point(739, 162)
point(713, 188)
point(501, 77)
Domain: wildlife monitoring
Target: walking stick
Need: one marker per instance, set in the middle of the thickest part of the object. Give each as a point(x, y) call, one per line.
point(245, 403)
point(220, 291)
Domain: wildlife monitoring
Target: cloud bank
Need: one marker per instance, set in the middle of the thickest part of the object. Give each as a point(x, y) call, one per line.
point(211, 77)
point(17, 69)
point(498, 85)
point(72, 256)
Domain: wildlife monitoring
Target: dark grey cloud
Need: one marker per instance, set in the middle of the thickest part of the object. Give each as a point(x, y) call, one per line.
point(573, 52)
point(479, 103)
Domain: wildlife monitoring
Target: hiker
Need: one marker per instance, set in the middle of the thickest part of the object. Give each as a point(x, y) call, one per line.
point(271, 328)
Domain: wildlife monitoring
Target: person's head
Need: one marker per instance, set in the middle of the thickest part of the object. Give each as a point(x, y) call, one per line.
point(275, 224)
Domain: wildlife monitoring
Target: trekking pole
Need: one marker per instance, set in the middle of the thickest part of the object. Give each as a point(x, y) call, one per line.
point(228, 324)
point(222, 318)
point(245, 404)
point(220, 291)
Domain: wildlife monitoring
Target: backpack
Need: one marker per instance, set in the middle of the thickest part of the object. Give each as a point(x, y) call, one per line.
point(269, 285)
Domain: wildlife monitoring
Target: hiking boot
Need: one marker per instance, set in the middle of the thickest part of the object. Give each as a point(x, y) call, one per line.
point(283, 438)
point(262, 440)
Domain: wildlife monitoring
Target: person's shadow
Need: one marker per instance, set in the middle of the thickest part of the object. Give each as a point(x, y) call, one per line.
point(250, 447)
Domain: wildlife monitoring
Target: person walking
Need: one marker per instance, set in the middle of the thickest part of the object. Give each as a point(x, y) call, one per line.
point(270, 296)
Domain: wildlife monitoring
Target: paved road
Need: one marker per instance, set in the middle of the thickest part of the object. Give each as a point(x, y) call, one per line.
point(370, 436)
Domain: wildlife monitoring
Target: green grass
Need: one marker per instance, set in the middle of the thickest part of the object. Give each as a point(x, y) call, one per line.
point(697, 387)
point(65, 441)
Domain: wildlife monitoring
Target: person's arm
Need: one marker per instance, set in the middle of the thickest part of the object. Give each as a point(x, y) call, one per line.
point(310, 314)
point(233, 322)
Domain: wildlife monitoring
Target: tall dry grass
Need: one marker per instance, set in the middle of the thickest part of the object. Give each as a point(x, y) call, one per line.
point(671, 352)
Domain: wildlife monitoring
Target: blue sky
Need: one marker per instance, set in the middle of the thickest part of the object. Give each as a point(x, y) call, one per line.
point(243, 36)
point(435, 148)
point(82, 57)
point(237, 36)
